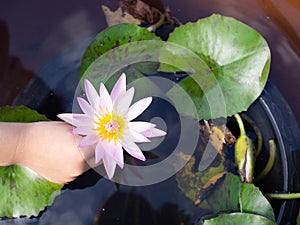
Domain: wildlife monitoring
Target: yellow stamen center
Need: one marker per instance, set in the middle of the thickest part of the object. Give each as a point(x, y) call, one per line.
point(110, 127)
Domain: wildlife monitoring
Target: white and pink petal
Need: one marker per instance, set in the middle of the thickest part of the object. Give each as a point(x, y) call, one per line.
point(140, 126)
point(99, 152)
point(84, 120)
point(135, 137)
point(84, 131)
point(85, 107)
point(138, 108)
point(118, 155)
point(91, 94)
point(123, 102)
point(119, 88)
point(133, 150)
point(105, 100)
point(114, 150)
point(153, 132)
point(109, 165)
point(70, 118)
point(88, 141)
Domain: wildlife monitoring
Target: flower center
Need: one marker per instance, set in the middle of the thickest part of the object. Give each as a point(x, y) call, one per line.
point(110, 127)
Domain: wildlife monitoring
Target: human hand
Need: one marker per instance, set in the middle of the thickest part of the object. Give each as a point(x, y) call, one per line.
point(51, 150)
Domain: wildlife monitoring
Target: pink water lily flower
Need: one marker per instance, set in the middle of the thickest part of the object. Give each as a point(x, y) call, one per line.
point(107, 123)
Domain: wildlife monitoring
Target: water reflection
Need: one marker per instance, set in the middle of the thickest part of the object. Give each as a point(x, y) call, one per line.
point(13, 76)
point(131, 208)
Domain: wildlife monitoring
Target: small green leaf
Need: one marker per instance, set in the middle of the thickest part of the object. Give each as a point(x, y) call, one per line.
point(234, 196)
point(122, 48)
point(114, 37)
point(253, 201)
point(239, 218)
point(227, 194)
point(20, 114)
point(237, 62)
point(22, 191)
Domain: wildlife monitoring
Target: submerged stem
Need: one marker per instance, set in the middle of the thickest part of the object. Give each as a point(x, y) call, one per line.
point(270, 163)
point(258, 134)
point(241, 124)
point(283, 195)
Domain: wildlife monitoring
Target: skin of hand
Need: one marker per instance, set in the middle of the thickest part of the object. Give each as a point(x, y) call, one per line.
point(48, 148)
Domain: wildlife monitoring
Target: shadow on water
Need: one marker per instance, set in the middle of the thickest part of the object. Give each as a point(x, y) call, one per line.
point(130, 208)
point(13, 76)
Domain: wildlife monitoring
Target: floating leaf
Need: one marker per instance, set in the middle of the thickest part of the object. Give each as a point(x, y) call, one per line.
point(213, 190)
point(122, 48)
point(20, 114)
point(114, 37)
point(238, 218)
point(253, 201)
point(22, 191)
point(233, 196)
point(237, 62)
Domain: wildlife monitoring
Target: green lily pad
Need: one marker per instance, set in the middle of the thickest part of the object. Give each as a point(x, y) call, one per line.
point(114, 37)
point(23, 192)
point(253, 201)
point(20, 114)
point(220, 191)
point(122, 48)
point(238, 218)
point(237, 62)
point(234, 196)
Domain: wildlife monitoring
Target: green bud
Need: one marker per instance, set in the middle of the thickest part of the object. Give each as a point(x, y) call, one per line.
point(244, 157)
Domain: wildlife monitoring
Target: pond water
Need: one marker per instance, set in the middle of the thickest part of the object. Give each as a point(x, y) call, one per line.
point(94, 200)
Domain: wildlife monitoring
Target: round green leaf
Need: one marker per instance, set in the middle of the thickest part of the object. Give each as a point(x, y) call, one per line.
point(135, 59)
point(233, 196)
point(20, 114)
point(111, 38)
point(22, 191)
point(238, 218)
point(253, 201)
point(236, 56)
